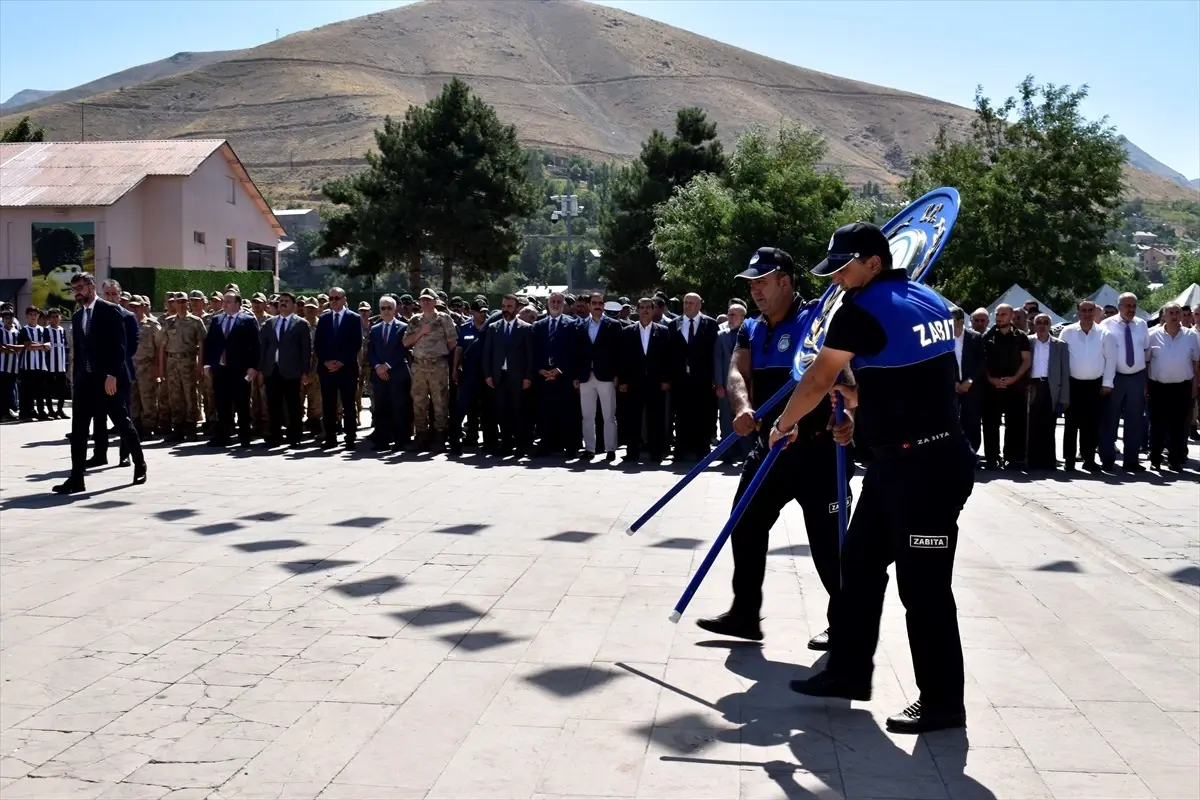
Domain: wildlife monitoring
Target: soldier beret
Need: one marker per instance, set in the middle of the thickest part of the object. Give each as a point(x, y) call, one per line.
point(259, 297)
point(135, 301)
point(233, 287)
point(427, 292)
point(196, 294)
point(364, 306)
point(406, 298)
point(310, 303)
point(441, 295)
point(126, 296)
point(323, 298)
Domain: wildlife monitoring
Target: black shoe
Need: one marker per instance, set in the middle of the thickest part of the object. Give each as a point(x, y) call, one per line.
point(731, 625)
point(1069, 466)
point(1091, 466)
point(349, 444)
point(217, 443)
point(1108, 467)
point(610, 456)
point(827, 684)
point(96, 461)
point(124, 462)
point(71, 486)
point(328, 444)
point(139, 474)
point(820, 641)
point(1133, 469)
point(1156, 466)
point(914, 720)
point(245, 444)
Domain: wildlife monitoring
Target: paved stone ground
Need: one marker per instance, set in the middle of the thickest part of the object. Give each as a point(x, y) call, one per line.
point(339, 626)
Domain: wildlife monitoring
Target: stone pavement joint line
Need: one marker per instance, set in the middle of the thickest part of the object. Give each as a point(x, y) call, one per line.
point(340, 626)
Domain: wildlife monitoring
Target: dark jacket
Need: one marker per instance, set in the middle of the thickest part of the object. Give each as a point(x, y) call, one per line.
point(392, 352)
point(693, 360)
point(104, 347)
point(344, 346)
point(649, 368)
point(516, 349)
point(599, 358)
point(133, 335)
point(295, 348)
point(240, 348)
point(557, 350)
point(972, 357)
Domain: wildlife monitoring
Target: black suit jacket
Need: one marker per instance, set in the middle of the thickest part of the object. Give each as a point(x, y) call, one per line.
point(516, 348)
point(294, 348)
point(344, 346)
point(240, 348)
point(972, 357)
point(649, 368)
point(600, 357)
point(693, 360)
point(104, 348)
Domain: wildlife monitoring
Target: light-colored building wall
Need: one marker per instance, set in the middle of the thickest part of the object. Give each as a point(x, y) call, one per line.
point(206, 207)
point(124, 222)
point(16, 240)
point(162, 218)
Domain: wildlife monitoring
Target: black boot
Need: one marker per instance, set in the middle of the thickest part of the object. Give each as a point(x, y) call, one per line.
point(730, 624)
point(829, 684)
point(72, 485)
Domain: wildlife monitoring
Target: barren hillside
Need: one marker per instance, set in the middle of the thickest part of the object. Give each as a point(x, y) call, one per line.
point(573, 78)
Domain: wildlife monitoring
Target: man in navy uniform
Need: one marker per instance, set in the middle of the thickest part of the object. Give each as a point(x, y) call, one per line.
point(899, 338)
point(807, 473)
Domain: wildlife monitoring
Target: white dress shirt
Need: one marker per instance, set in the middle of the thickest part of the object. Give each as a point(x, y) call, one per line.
point(1173, 358)
point(507, 332)
point(644, 330)
point(958, 348)
point(593, 329)
point(1116, 344)
point(687, 323)
point(1087, 352)
point(1040, 367)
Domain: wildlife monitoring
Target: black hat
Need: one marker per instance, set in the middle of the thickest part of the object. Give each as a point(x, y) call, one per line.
point(406, 298)
point(856, 240)
point(766, 260)
point(623, 301)
point(479, 305)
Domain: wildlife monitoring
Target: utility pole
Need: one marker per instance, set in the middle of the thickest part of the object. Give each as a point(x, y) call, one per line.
point(81, 122)
point(568, 208)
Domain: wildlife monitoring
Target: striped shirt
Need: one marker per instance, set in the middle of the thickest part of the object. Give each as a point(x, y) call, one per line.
point(33, 360)
point(10, 363)
point(56, 358)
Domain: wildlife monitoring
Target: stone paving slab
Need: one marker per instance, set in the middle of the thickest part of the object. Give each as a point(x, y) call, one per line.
point(337, 625)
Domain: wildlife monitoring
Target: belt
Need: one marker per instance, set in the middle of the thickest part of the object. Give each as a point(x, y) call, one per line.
point(1039, 380)
point(916, 443)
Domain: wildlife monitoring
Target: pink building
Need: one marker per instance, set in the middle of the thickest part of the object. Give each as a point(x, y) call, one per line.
point(98, 205)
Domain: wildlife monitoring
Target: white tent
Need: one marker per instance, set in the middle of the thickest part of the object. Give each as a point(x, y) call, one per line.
point(1016, 296)
point(1104, 296)
point(1190, 297)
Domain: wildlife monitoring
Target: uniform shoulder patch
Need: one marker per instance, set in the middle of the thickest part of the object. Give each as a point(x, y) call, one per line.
point(785, 343)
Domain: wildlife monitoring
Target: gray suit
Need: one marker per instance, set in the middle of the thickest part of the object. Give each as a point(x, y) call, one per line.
point(507, 362)
point(284, 359)
point(722, 358)
point(1045, 398)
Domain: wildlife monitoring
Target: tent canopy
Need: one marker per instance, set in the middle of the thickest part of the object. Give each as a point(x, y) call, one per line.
point(1189, 297)
point(1017, 296)
point(1105, 296)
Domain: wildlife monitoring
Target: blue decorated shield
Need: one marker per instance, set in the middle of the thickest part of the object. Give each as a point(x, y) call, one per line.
point(917, 236)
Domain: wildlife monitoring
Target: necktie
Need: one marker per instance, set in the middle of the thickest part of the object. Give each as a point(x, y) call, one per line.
point(1128, 345)
point(87, 321)
point(228, 325)
point(387, 327)
point(507, 329)
point(553, 322)
point(692, 332)
point(336, 318)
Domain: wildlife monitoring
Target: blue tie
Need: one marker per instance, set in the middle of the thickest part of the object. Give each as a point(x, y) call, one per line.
point(1128, 345)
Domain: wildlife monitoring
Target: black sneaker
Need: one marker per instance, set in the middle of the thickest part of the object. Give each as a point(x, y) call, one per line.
point(828, 684)
point(732, 625)
point(915, 720)
point(820, 641)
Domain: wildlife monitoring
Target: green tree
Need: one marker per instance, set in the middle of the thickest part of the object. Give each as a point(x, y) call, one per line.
point(771, 195)
point(1040, 187)
point(665, 165)
point(1179, 277)
point(23, 131)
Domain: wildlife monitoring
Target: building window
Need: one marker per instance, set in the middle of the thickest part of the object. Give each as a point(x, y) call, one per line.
point(232, 191)
point(230, 254)
point(260, 257)
point(198, 237)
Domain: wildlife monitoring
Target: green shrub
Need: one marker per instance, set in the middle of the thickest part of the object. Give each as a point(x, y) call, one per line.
point(155, 282)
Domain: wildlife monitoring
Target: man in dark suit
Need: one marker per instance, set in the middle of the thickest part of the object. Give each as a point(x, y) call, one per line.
point(968, 352)
point(391, 381)
point(553, 351)
point(693, 385)
point(597, 351)
point(508, 372)
point(338, 341)
point(231, 359)
point(286, 344)
point(644, 376)
point(110, 290)
point(100, 378)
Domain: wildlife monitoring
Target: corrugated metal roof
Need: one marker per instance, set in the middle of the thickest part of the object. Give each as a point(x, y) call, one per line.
point(291, 212)
point(91, 173)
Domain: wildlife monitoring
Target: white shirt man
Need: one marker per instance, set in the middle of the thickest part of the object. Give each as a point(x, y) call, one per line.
point(1127, 342)
point(1041, 358)
point(1125, 350)
point(1174, 375)
point(644, 331)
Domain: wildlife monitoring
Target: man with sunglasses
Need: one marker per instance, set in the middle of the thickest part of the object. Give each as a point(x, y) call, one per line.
point(806, 472)
point(337, 343)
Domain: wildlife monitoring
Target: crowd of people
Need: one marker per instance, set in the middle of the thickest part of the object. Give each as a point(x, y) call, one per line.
point(580, 375)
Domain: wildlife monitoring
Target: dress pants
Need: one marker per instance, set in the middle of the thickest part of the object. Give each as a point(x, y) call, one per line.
point(231, 392)
point(100, 427)
point(89, 400)
point(555, 402)
point(508, 396)
point(907, 514)
point(335, 386)
point(1169, 407)
point(695, 411)
point(1082, 422)
point(1042, 420)
point(8, 392)
point(1009, 403)
point(645, 402)
point(283, 400)
point(389, 411)
point(740, 449)
point(1127, 403)
point(33, 400)
point(595, 392)
point(969, 414)
point(804, 472)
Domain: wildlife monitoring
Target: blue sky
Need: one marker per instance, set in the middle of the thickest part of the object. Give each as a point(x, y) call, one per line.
point(1141, 59)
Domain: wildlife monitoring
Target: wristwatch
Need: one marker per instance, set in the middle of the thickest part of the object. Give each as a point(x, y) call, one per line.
point(782, 432)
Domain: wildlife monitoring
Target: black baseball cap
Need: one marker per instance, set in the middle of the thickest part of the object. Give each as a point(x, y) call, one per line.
point(766, 260)
point(856, 240)
point(479, 305)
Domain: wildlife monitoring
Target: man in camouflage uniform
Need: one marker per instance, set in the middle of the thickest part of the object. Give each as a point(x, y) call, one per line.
point(258, 388)
point(364, 366)
point(312, 389)
point(184, 341)
point(204, 390)
point(149, 363)
point(431, 337)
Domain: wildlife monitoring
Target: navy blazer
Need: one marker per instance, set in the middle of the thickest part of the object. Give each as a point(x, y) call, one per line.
point(648, 368)
point(554, 351)
point(600, 357)
point(392, 352)
point(344, 346)
point(133, 335)
point(104, 347)
point(240, 348)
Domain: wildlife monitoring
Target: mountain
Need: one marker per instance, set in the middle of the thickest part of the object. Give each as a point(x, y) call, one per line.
point(573, 77)
point(1194, 183)
point(24, 98)
point(1142, 160)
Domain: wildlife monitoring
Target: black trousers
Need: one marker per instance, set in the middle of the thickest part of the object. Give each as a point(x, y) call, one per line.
point(388, 410)
point(1082, 422)
point(1010, 404)
point(556, 408)
point(805, 472)
point(8, 387)
point(473, 412)
point(283, 399)
point(694, 408)
point(231, 391)
point(100, 427)
point(1042, 421)
point(1169, 406)
point(90, 399)
point(33, 393)
point(343, 385)
point(969, 415)
point(644, 398)
point(907, 514)
point(56, 390)
point(508, 399)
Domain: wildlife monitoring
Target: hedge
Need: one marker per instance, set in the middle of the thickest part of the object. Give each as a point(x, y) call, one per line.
point(155, 282)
